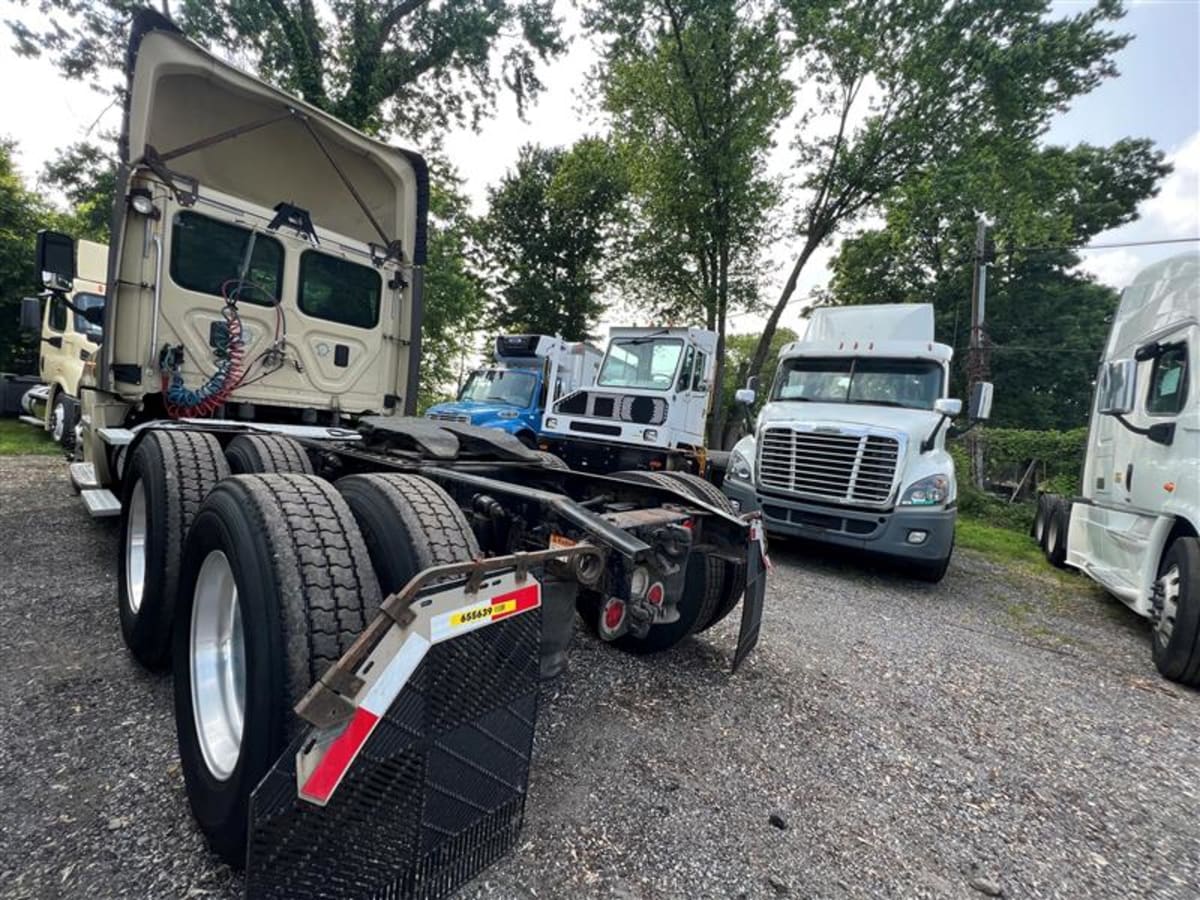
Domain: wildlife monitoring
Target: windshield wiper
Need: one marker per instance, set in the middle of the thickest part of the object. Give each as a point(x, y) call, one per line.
point(880, 403)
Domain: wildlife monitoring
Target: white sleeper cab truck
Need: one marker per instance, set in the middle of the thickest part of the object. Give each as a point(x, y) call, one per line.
point(70, 324)
point(647, 408)
point(850, 446)
point(1135, 527)
point(355, 604)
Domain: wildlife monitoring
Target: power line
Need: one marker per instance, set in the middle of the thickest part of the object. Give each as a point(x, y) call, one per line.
point(1113, 246)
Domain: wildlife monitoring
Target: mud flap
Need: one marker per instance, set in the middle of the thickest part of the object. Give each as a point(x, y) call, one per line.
point(757, 566)
point(419, 796)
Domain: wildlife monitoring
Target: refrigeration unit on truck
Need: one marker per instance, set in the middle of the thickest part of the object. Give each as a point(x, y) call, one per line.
point(512, 394)
point(647, 408)
point(355, 603)
point(1135, 528)
point(850, 446)
point(70, 333)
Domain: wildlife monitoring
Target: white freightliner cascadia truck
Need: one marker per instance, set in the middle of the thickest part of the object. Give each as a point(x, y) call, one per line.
point(355, 604)
point(850, 446)
point(1135, 528)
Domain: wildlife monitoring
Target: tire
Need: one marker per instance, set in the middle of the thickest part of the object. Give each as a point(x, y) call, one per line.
point(1040, 519)
point(304, 592)
point(932, 571)
point(733, 578)
point(550, 461)
point(704, 584)
point(1176, 649)
point(165, 482)
point(408, 523)
point(63, 418)
point(1058, 519)
point(249, 454)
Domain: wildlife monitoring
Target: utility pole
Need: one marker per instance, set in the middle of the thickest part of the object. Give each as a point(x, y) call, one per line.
point(978, 364)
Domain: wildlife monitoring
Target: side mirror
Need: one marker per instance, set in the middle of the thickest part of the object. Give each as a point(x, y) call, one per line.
point(979, 409)
point(56, 260)
point(947, 407)
point(752, 383)
point(31, 314)
point(745, 396)
point(1116, 387)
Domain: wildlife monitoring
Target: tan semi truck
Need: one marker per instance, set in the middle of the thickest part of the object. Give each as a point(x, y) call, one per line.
point(70, 335)
point(355, 604)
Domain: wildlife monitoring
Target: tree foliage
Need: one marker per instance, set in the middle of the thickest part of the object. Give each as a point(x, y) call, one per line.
point(454, 296)
point(22, 215)
point(695, 89)
point(408, 66)
point(1046, 323)
point(546, 238)
point(903, 86)
point(87, 176)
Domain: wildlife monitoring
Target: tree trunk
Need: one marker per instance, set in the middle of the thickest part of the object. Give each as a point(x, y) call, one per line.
point(716, 421)
point(759, 359)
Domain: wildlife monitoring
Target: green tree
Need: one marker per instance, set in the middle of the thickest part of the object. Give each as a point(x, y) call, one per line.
point(902, 86)
point(409, 67)
point(546, 238)
point(739, 348)
point(87, 176)
point(22, 215)
point(695, 89)
point(454, 296)
point(1046, 324)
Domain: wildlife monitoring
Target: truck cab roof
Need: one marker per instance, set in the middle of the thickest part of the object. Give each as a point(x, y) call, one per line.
point(883, 330)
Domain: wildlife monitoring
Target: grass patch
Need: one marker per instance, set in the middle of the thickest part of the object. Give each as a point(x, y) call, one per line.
point(17, 438)
point(996, 540)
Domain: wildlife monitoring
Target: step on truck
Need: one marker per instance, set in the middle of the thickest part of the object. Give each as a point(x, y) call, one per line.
point(646, 408)
point(68, 320)
point(512, 394)
point(1135, 527)
point(355, 604)
point(849, 448)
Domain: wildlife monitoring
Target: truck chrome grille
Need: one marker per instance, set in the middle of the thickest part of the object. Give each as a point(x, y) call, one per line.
point(837, 468)
point(449, 417)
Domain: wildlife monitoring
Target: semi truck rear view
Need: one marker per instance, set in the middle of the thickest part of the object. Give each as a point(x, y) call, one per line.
point(850, 446)
point(355, 604)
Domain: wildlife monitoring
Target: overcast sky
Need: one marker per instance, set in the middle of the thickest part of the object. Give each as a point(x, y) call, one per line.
point(1157, 95)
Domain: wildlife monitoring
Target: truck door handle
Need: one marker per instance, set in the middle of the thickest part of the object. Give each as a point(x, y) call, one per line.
point(1129, 477)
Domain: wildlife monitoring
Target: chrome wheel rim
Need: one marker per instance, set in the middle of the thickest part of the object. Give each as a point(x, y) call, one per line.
point(1052, 537)
point(135, 547)
point(217, 657)
point(57, 423)
point(1169, 585)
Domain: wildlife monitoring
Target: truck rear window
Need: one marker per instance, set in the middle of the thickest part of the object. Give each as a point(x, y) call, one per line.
point(339, 291)
point(206, 254)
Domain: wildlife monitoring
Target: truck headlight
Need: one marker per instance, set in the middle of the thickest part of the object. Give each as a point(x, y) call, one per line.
point(552, 422)
point(650, 434)
point(507, 414)
point(931, 491)
point(739, 467)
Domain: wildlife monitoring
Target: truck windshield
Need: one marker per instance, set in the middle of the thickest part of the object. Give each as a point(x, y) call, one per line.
point(646, 362)
point(82, 325)
point(499, 386)
point(911, 383)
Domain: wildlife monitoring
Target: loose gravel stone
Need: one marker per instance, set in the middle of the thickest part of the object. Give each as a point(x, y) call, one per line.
point(1001, 726)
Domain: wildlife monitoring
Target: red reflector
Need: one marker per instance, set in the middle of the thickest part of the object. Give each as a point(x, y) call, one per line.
point(656, 593)
point(688, 524)
point(339, 756)
point(613, 614)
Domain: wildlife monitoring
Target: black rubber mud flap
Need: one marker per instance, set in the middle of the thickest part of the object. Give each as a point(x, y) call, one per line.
point(435, 796)
point(757, 565)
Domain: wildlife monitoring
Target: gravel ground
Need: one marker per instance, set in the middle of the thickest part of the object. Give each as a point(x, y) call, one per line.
point(998, 732)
